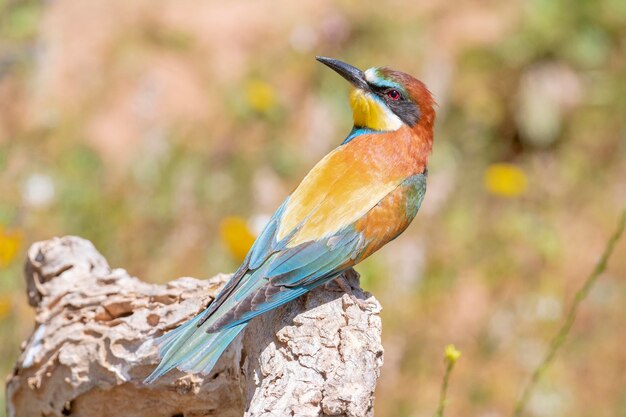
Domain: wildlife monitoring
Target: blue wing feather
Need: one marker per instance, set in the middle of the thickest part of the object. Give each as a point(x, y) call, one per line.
point(320, 259)
point(266, 243)
point(279, 280)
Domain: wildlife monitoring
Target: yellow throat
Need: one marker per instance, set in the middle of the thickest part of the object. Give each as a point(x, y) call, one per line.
point(369, 112)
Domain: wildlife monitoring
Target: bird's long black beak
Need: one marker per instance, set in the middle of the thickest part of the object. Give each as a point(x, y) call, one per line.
point(354, 75)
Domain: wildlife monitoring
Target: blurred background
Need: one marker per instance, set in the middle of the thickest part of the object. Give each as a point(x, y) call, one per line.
point(167, 132)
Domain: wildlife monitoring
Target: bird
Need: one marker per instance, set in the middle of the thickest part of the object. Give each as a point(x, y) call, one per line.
point(359, 197)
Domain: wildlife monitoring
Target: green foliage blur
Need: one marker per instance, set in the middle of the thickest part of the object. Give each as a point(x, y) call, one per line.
point(168, 132)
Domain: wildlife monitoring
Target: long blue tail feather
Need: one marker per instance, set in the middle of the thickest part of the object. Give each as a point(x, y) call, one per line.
point(191, 349)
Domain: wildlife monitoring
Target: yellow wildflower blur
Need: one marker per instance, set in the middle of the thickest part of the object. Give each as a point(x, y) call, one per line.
point(505, 180)
point(10, 243)
point(236, 236)
point(451, 354)
point(260, 95)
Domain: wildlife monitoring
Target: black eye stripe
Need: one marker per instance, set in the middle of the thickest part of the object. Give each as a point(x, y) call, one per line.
point(404, 108)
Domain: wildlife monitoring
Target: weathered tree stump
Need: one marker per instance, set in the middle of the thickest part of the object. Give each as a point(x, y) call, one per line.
point(91, 348)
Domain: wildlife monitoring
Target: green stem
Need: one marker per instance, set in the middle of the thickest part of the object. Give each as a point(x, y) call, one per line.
point(560, 337)
point(444, 389)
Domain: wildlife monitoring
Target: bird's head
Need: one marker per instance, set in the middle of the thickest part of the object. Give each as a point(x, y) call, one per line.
point(384, 99)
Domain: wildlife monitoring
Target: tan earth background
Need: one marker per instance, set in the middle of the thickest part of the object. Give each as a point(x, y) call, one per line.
point(168, 131)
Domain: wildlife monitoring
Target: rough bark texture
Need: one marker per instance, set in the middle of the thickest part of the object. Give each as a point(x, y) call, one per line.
point(319, 355)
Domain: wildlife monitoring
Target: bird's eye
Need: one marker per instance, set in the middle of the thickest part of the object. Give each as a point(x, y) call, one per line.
point(393, 94)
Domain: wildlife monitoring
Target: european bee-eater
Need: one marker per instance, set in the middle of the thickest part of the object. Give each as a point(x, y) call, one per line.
point(357, 198)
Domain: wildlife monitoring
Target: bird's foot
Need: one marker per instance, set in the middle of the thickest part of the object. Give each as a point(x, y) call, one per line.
point(343, 284)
